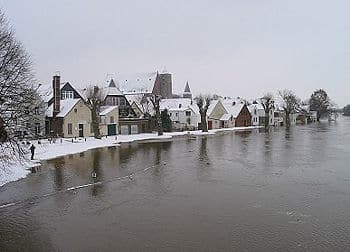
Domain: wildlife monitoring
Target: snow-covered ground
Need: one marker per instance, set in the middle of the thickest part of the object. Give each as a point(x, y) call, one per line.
point(64, 146)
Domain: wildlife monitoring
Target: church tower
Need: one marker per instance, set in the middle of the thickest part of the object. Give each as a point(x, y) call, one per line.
point(187, 92)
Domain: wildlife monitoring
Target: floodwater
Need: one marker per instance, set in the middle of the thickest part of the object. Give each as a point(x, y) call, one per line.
point(237, 191)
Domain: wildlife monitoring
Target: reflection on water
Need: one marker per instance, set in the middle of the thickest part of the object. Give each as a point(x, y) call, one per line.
point(276, 190)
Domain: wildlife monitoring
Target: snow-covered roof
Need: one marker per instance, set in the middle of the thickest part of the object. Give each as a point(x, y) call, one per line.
point(233, 108)
point(134, 98)
point(257, 106)
point(212, 106)
point(136, 83)
point(179, 104)
point(104, 110)
point(225, 117)
point(113, 89)
point(65, 107)
point(46, 92)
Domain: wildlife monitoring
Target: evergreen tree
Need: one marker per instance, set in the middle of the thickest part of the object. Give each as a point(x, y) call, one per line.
point(166, 121)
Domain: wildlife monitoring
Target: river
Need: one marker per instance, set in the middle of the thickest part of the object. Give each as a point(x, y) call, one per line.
point(283, 190)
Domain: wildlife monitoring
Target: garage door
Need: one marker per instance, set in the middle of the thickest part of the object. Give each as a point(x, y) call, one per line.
point(112, 130)
point(124, 130)
point(134, 129)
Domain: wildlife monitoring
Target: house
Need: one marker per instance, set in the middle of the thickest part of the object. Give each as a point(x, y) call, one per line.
point(69, 118)
point(257, 111)
point(56, 98)
point(215, 112)
point(306, 115)
point(129, 122)
point(237, 115)
point(183, 113)
point(109, 118)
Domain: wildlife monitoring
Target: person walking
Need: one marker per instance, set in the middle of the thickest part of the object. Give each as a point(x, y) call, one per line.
point(32, 149)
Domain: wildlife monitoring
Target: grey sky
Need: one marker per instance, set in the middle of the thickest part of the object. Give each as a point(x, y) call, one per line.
point(239, 48)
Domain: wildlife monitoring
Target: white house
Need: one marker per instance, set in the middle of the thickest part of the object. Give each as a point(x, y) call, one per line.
point(258, 114)
point(183, 113)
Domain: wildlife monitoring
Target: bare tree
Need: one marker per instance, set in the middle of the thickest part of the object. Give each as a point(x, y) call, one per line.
point(19, 99)
point(203, 103)
point(155, 99)
point(291, 104)
point(94, 99)
point(267, 102)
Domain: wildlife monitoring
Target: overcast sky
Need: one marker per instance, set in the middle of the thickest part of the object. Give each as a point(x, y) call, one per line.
point(234, 47)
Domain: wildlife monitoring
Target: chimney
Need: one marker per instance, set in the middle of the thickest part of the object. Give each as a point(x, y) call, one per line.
point(56, 85)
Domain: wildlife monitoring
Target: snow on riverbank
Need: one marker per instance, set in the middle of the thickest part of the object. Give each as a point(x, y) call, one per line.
point(62, 147)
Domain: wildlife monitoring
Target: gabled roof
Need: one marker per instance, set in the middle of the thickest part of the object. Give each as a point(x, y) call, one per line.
point(46, 92)
point(232, 107)
point(113, 89)
point(136, 83)
point(212, 106)
point(65, 107)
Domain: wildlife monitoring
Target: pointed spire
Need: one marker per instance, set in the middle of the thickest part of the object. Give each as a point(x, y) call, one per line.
point(187, 88)
point(187, 91)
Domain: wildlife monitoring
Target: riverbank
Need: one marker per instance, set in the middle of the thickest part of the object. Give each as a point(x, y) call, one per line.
point(46, 150)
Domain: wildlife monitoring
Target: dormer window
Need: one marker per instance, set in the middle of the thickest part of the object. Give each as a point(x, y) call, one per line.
point(67, 95)
point(180, 105)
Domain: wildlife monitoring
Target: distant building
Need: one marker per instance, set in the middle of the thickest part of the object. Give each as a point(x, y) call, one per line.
point(183, 113)
point(227, 113)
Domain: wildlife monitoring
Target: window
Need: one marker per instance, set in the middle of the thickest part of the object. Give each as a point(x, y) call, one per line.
point(67, 95)
point(188, 113)
point(36, 111)
point(122, 101)
point(111, 119)
point(255, 112)
point(70, 129)
point(176, 114)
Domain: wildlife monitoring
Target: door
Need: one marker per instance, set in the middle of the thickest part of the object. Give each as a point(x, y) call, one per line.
point(81, 130)
point(112, 130)
point(210, 125)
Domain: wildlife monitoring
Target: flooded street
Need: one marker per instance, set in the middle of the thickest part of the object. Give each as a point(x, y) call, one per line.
point(234, 191)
